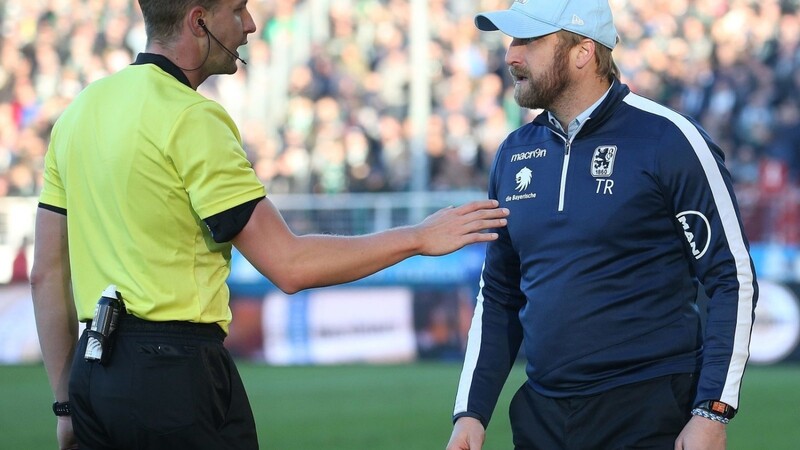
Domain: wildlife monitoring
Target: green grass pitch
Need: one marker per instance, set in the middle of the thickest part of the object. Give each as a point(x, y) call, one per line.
point(387, 407)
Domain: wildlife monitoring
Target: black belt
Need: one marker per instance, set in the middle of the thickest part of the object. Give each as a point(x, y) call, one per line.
point(132, 324)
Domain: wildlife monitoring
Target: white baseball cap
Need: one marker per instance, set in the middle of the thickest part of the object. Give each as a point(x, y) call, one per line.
point(535, 18)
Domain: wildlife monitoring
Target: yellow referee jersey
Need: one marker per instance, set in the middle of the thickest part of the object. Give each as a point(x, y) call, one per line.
point(138, 159)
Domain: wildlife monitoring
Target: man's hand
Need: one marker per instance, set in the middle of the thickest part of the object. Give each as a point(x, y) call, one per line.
point(702, 434)
point(468, 434)
point(451, 228)
point(65, 435)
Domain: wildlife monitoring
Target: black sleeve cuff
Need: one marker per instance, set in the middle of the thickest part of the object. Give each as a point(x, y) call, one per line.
point(483, 421)
point(227, 224)
point(55, 209)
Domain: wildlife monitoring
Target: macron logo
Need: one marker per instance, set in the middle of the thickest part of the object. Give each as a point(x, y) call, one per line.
point(577, 20)
point(538, 153)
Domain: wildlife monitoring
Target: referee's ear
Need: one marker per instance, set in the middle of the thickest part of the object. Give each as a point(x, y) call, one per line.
point(195, 21)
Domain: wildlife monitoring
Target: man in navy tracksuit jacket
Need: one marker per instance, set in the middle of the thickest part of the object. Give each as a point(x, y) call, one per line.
point(615, 226)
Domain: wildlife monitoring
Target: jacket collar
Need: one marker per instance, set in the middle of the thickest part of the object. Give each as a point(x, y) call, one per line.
point(603, 111)
point(164, 64)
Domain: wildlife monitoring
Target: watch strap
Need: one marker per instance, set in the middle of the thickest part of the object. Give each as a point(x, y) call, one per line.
point(718, 408)
point(61, 409)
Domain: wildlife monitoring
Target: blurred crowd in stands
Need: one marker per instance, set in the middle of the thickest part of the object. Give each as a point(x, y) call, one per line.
point(325, 105)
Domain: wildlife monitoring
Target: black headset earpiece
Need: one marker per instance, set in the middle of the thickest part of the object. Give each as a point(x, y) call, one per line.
point(201, 22)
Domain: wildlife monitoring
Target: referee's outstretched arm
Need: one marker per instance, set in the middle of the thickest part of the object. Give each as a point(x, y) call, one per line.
point(294, 263)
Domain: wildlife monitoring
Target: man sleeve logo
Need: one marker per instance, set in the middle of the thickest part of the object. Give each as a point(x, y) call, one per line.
point(603, 160)
point(523, 179)
point(697, 229)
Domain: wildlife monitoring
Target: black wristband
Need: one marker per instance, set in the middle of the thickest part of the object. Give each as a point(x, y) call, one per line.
point(62, 409)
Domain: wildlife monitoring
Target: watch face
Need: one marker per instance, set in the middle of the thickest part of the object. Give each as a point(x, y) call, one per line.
point(719, 407)
point(723, 409)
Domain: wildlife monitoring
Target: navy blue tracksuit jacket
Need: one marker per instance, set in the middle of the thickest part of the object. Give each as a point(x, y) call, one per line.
point(610, 237)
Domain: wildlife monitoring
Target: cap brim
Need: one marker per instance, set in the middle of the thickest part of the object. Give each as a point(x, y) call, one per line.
point(514, 24)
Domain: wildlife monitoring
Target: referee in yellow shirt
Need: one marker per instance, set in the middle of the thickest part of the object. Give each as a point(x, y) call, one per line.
point(147, 188)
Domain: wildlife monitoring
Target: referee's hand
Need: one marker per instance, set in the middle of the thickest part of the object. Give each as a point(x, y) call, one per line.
point(64, 434)
point(468, 434)
point(451, 228)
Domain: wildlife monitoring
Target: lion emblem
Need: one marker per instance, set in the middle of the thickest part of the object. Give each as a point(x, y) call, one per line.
point(523, 179)
point(603, 160)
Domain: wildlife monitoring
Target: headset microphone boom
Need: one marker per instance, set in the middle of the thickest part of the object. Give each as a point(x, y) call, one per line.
point(203, 26)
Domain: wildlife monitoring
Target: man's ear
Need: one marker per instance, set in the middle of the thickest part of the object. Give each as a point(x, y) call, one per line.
point(584, 53)
point(195, 21)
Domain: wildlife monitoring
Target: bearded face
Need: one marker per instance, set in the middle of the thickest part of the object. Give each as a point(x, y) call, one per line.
point(540, 91)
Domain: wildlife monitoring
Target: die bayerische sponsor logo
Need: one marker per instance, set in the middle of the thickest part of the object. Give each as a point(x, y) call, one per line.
point(523, 180)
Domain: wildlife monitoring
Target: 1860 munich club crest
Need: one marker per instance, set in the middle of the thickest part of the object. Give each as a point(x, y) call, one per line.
point(603, 160)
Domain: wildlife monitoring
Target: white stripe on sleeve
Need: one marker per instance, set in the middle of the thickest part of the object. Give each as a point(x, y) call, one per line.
point(471, 357)
point(733, 235)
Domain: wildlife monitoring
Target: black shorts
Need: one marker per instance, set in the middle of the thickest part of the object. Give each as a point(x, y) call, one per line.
point(645, 415)
point(167, 385)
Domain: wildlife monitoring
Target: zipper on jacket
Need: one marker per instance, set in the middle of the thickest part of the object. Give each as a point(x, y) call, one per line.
point(564, 167)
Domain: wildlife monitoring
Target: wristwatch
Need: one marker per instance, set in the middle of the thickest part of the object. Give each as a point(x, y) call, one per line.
point(721, 409)
point(61, 409)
